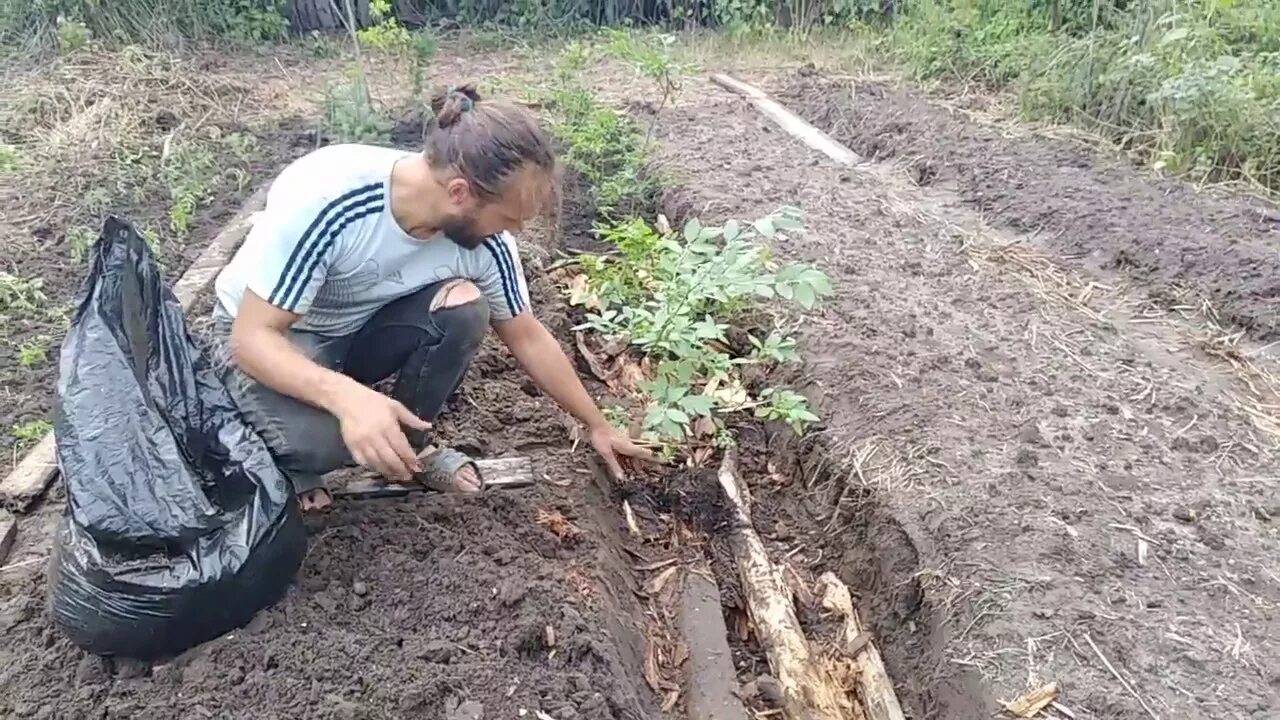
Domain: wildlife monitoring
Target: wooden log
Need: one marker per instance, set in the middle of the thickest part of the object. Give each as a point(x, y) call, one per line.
point(33, 474)
point(789, 121)
point(807, 695)
point(498, 474)
point(8, 535)
point(879, 702)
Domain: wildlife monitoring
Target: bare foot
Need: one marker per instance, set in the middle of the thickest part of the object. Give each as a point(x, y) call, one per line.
point(465, 480)
point(315, 501)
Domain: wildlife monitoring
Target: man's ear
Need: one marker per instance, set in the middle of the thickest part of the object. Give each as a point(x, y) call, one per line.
point(459, 191)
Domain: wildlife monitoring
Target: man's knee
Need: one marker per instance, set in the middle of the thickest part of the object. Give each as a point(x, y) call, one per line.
point(460, 307)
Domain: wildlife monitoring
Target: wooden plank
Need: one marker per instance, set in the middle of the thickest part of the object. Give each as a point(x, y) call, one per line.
point(8, 535)
point(712, 685)
point(33, 474)
point(789, 121)
point(498, 474)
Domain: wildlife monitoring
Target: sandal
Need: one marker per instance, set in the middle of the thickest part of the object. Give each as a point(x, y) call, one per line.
point(440, 469)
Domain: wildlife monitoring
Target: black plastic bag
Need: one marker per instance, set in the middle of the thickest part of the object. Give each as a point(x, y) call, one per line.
point(179, 526)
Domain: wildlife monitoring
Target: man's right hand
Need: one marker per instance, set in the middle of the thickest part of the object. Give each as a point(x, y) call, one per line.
point(371, 428)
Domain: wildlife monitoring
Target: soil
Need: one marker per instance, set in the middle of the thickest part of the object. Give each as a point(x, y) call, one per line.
point(1180, 245)
point(1023, 482)
point(441, 607)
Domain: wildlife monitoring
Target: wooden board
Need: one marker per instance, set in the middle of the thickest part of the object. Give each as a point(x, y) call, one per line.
point(498, 474)
point(789, 121)
point(33, 474)
point(8, 535)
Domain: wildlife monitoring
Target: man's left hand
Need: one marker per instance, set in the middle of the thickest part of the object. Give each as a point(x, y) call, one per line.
point(611, 442)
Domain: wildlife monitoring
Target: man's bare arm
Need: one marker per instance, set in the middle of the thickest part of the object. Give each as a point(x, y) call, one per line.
point(261, 346)
point(539, 353)
point(370, 421)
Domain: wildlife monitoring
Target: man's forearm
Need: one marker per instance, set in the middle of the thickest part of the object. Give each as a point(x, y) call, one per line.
point(268, 357)
point(544, 360)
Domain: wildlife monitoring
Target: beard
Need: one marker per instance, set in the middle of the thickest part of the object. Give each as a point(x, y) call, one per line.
point(463, 233)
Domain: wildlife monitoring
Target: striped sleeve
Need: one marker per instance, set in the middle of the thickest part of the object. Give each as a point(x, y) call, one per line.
point(503, 284)
point(296, 245)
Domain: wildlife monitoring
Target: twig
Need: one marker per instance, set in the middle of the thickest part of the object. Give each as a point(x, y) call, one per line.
point(1119, 677)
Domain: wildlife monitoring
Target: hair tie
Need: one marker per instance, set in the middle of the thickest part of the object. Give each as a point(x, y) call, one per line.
point(467, 102)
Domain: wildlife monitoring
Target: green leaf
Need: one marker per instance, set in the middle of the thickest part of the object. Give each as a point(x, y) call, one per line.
point(764, 226)
point(692, 230)
point(731, 230)
point(698, 404)
point(804, 295)
point(677, 415)
point(1175, 35)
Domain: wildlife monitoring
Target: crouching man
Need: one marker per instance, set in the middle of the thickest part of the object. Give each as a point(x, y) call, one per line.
point(369, 262)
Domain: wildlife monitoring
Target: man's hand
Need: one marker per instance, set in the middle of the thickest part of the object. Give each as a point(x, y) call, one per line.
point(371, 429)
point(611, 442)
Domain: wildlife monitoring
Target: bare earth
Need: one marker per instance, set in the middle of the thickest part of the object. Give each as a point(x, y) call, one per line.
point(1048, 454)
point(1052, 470)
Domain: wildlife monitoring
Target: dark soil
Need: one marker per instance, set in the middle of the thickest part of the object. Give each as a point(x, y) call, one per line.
point(990, 455)
point(1180, 244)
point(433, 607)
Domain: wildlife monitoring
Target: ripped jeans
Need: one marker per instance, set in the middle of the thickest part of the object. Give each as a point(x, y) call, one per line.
point(427, 350)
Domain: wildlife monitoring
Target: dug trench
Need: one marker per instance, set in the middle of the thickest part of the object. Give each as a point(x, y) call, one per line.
point(517, 602)
point(1026, 483)
point(509, 605)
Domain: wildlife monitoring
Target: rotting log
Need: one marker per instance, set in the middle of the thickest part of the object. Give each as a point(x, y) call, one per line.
point(807, 693)
point(879, 702)
point(33, 474)
point(789, 121)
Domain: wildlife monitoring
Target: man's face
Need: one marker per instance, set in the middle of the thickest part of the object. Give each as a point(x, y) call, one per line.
point(472, 220)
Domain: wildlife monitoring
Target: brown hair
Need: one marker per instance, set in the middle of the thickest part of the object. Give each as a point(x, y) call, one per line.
point(484, 141)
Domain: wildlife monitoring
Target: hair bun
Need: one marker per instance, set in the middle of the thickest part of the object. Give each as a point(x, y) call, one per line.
point(449, 104)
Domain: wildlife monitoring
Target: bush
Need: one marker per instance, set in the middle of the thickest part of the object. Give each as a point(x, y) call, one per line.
point(1196, 87)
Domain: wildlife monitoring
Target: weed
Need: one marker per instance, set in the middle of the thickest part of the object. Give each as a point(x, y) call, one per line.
point(189, 171)
point(80, 239)
point(33, 352)
point(386, 33)
point(1194, 87)
point(30, 433)
point(22, 294)
point(350, 115)
point(674, 298)
point(604, 146)
point(10, 160)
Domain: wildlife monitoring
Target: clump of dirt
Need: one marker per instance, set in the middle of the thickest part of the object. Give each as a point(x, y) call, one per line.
point(1162, 234)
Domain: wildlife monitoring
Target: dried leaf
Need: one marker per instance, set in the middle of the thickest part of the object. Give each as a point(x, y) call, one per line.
point(673, 697)
point(628, 376)
point(1033, 702)
point(651, 673)
point(704, 426)
point(559, 526)
point(594, 361)
point(656, 583)
point(580, 294)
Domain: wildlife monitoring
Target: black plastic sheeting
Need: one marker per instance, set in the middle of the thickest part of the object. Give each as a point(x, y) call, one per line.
point(178, 526)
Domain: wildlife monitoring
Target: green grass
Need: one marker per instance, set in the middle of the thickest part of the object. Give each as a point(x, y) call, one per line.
point(1192, 86)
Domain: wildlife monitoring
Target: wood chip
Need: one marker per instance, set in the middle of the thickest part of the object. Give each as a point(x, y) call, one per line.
point(632, 526)
point(1033, 702)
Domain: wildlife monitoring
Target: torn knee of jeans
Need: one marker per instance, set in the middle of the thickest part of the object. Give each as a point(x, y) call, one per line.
point(456, 293)
point(470, 317)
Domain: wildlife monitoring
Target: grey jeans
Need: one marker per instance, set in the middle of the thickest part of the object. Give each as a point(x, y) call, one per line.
point(427, 350)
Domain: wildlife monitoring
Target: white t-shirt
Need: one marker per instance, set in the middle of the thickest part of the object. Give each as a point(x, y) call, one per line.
point(326, 247)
